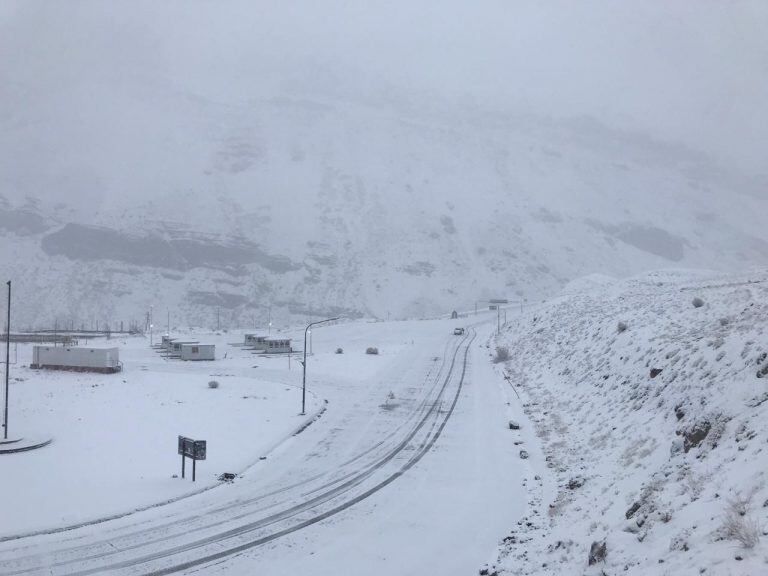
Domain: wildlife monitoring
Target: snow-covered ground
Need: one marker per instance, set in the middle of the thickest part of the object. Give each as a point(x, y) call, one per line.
point(651, 418)
point(114, 435)
point(411, 457)
point(642, 411)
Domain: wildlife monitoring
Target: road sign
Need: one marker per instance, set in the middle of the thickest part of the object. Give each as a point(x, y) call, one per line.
point(498, 301)
point(188, 448)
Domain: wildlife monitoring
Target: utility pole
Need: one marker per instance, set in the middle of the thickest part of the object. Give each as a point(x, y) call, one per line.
point(168, 331)
point(7, 362)
point(269, 320)
point(218, 318)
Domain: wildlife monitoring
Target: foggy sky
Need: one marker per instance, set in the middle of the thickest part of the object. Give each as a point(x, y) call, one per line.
point(693, 71)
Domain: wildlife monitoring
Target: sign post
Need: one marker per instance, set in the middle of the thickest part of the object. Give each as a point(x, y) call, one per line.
point(189, 448)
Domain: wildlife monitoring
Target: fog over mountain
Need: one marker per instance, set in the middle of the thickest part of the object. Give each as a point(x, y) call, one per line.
point(371, 158)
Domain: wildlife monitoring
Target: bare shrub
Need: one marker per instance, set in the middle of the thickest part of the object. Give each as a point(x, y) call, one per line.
point(502, 354)
point(737, 525)
point(372, 350)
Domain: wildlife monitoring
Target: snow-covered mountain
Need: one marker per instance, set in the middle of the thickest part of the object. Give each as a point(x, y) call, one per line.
point(215, 160)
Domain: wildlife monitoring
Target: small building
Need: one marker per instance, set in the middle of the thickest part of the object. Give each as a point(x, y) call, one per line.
point(174, 351)
point(197, 351)
point(277, 346)
point(255, 341)
point(104, 360)
point(454, 315)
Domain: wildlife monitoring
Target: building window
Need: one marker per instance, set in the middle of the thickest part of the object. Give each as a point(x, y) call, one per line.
point(195, 349)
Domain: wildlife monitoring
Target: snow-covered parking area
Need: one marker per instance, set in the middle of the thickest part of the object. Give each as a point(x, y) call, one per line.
point(114, 436)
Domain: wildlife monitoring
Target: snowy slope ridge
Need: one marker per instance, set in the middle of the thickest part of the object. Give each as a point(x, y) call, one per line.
point(650, 399)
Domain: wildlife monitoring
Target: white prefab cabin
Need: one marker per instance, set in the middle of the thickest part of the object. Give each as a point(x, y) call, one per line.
point(104, 360)
point(174, 351)
point(198, 351)
point(255, 340)
point(277, 345)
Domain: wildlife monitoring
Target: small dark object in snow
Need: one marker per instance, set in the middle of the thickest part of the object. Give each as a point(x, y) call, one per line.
point(175, 476)
point(227, 477)
point(339, 350)
point(575, 482)
point(514, 425)
point(679, 412)
point(523, 454)
point(621, 327)
point(213, 384)
point(697, 302)
point(632, 509)
point(372, 350)
point(738, 558)
point(597, 552)
point(655, 372)
point(262, 457)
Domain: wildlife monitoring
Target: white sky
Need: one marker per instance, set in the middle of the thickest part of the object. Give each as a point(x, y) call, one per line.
point(691, 71)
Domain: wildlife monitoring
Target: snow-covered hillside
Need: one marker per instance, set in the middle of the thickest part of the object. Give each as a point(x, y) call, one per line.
point(339, 209)
point(206, 156)
point(649, 399)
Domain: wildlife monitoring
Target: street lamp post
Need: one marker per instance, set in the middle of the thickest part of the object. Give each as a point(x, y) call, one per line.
point(304, 363)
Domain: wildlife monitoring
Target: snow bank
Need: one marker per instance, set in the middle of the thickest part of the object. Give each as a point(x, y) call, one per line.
point(652, 414)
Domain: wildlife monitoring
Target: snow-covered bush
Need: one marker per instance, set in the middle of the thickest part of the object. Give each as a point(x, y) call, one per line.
point(502, 354)
point(371, 350)
point(737, 526)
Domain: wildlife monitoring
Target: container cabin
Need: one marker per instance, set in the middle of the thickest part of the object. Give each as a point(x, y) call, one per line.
point(103, 360)
point(277, 346)
point(198, 351)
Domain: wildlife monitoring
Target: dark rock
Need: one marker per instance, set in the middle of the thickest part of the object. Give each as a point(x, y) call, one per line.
point(597, 552)
point(695, 434)
point(655, 372)
point(523, 454)
point(227, 477)
point(632, 509)
point(514, 425)
point(679, 412)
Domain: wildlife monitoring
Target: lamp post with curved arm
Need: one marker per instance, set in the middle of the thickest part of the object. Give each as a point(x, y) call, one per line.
point(304, 363)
